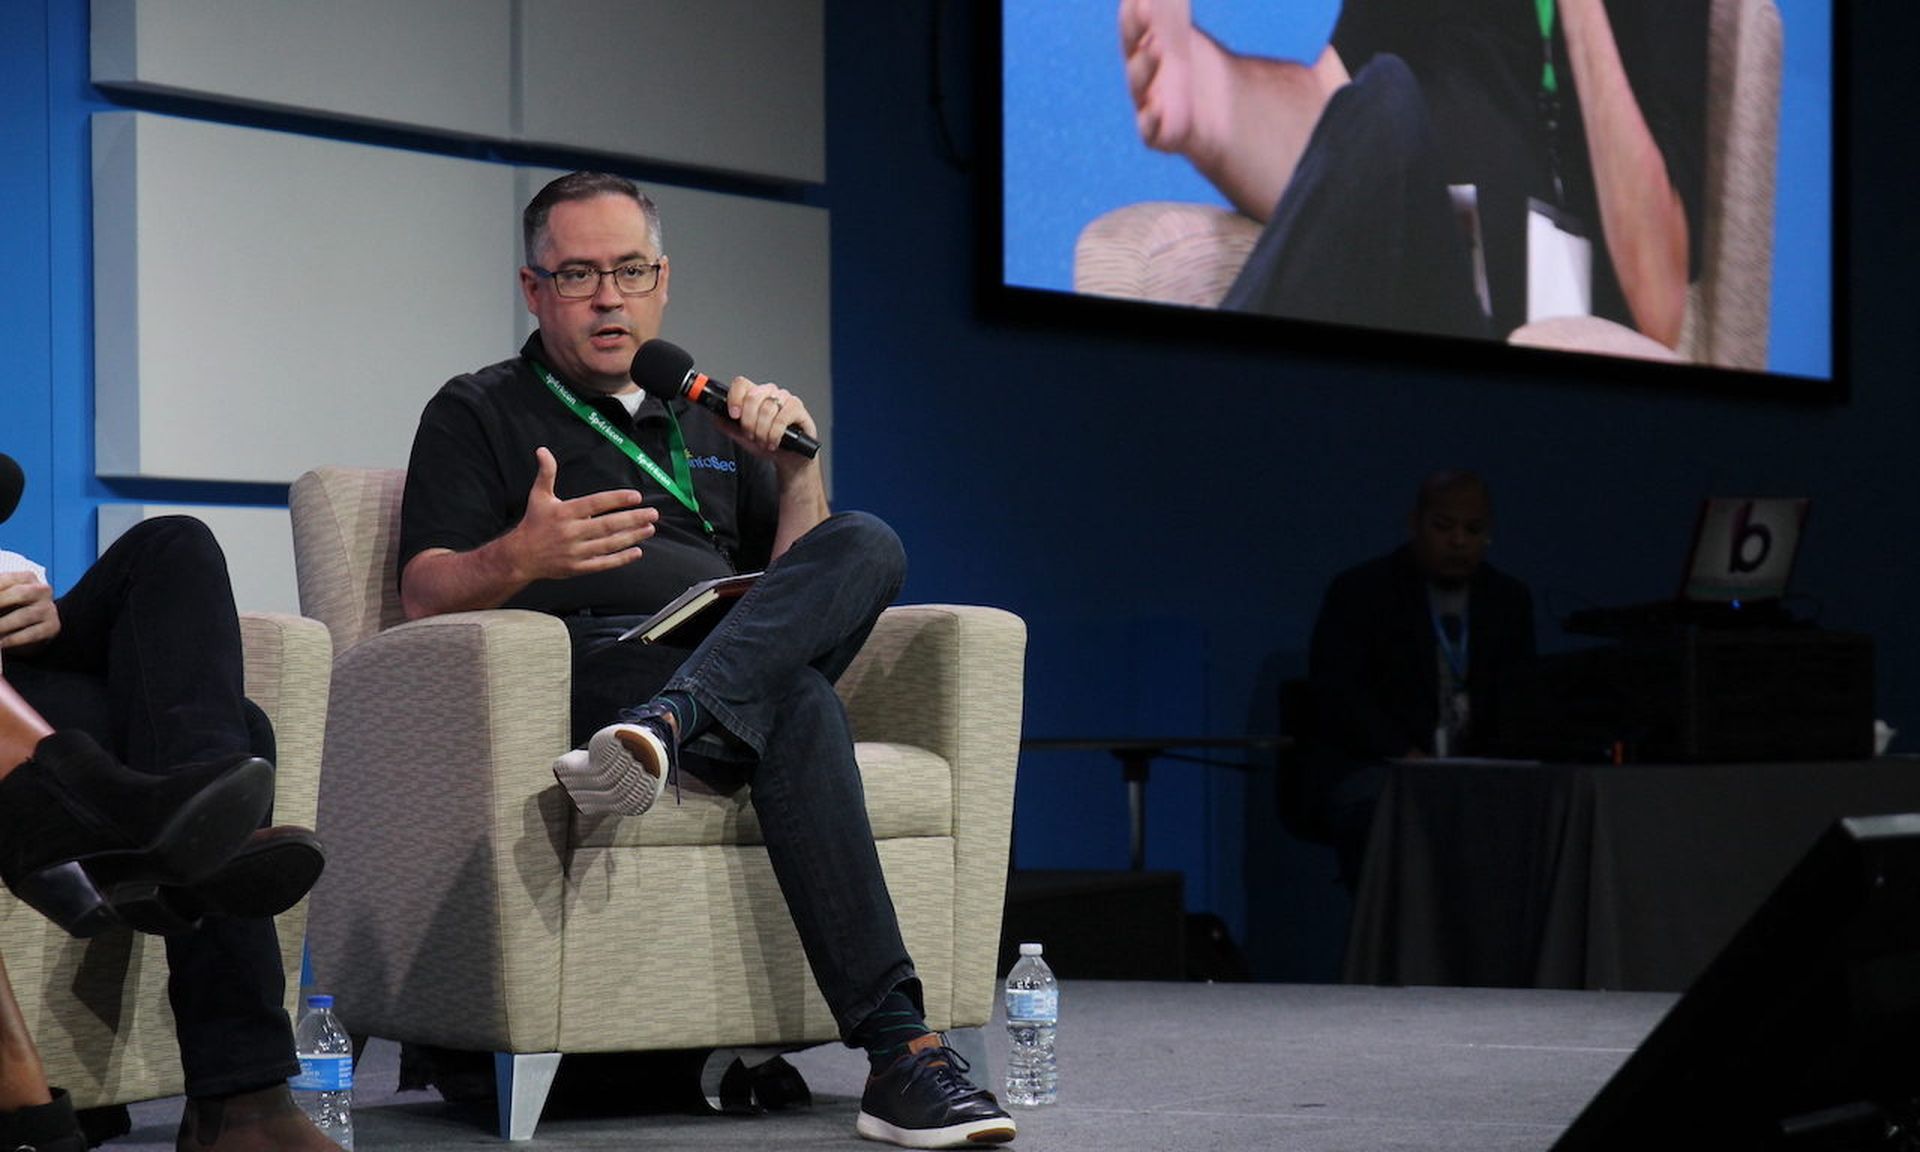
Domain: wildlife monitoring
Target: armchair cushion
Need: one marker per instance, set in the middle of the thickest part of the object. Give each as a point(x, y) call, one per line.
point(909, 793)
point(1160, 250)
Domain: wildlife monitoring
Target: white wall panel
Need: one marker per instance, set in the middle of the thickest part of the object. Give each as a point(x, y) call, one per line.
point(258, 543)
point(266, 302)
point(748, 291)
point(732, 85)
point(439, 64)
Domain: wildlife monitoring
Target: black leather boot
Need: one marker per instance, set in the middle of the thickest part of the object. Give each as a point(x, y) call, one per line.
point(76, 826)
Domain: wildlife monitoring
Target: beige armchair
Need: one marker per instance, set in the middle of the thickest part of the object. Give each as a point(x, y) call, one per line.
point(98, 1008)
point(467, 905)
point(1191, 253)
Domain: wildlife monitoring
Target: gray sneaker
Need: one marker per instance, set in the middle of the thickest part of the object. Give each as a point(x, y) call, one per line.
point(622, 768)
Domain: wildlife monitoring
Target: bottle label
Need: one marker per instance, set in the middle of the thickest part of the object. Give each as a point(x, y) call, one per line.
point(1033, 1004)
point(323, 1073)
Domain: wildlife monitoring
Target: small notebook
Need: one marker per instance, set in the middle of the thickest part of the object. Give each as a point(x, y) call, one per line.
point(708, 598)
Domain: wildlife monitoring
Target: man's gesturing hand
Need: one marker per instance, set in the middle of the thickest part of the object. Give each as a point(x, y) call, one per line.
point(592, 533)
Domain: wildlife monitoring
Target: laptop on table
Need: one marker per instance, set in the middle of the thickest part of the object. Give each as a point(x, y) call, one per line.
point(1738, 569)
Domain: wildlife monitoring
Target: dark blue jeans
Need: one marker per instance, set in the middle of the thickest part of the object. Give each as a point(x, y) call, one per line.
point(766, 674)
point(148, 662)
point(1364, 233)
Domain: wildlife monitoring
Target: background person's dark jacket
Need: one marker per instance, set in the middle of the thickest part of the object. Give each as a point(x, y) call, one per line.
point(1373, 661)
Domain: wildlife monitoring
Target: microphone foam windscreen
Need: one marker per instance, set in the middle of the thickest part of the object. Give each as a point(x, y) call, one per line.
point(660, 368)
point(12, 483)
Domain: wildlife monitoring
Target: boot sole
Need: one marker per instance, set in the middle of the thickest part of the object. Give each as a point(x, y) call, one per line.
point(259, 881)
point(195, 841)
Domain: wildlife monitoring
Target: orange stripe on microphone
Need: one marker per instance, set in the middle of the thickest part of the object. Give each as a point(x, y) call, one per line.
point(698, 386)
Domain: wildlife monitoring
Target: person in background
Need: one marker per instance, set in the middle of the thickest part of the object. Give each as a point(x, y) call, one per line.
point(1408, 655)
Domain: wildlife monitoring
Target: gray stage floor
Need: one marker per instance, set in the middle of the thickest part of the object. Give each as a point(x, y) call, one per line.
point(1183, 1067)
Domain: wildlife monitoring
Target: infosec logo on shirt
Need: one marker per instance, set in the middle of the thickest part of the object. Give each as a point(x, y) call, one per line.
point(711, 463)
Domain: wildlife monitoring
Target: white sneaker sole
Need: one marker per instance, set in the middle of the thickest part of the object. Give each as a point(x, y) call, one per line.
point(619, 773)
point(972, 1134)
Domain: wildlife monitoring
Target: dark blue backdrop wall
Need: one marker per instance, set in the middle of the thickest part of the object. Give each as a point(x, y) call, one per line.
point(1166, 553)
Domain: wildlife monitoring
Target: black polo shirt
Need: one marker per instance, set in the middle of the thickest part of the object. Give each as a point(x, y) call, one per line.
point(1479, 63)
point(473, 465)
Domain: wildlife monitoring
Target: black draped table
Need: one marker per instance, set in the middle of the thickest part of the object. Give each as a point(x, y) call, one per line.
point(1629, 877)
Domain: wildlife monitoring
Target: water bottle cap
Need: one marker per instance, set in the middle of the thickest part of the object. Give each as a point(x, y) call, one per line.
point(320, 1002)
point(1029, 949)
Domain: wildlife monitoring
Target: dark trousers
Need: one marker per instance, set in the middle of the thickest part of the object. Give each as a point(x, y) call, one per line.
point(766, 674)
point(148, 662)
point(1364, 233)
point(1351, 800)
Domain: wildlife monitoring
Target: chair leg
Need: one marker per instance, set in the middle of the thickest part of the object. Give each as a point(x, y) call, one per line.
point(522, 1080)
point(971, 1043)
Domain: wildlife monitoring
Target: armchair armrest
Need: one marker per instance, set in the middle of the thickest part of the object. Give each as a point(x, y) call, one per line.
point(1591, 334)
point(289, 666)
point(1164, 251)
point(949, 678)
point(446, 832)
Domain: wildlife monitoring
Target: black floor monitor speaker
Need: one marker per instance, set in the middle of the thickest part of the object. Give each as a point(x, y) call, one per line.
point(1804, 1033)
point(1098, 925)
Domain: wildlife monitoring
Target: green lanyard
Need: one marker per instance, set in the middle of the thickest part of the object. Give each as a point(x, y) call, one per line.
point(1550, 97)
point(680, 484)
point(1549, 83)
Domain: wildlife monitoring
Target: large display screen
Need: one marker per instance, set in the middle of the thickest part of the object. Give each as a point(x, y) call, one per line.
point(1657, 184)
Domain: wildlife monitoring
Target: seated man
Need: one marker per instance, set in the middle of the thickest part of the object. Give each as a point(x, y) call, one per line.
point(142, 658)
point(1407, 656)
point(534, 484)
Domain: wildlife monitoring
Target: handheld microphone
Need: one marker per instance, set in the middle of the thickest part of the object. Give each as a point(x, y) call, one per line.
point(12, 483)
point(666, 371)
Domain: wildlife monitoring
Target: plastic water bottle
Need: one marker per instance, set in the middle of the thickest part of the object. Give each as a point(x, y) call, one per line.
point(1033, 1015)
point(324, 1087)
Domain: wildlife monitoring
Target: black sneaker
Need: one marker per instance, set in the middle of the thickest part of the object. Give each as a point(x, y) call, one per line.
point(924, 1100)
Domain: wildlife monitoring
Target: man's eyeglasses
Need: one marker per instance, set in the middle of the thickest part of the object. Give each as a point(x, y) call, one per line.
point(579, 281)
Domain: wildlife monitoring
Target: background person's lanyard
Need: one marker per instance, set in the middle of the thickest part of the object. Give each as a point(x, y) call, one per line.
point(680, 484)
point(1454, 651)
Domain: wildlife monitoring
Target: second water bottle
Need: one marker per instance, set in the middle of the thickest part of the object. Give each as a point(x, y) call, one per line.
point(1033, 1018)
point(324, 1087)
